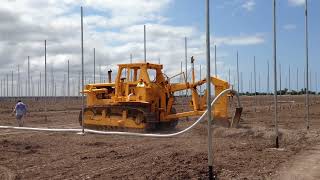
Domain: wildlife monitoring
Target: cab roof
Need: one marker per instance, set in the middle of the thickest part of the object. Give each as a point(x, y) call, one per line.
point(139, 65)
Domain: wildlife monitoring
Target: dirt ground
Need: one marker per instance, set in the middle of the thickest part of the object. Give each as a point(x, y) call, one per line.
point(244, 153)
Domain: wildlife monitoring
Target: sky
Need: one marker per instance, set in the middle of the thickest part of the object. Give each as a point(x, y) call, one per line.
point(115, 30)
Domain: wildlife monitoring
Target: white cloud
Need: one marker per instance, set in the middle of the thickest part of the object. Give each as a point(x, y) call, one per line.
point(249, 5)
point(114, 28)
point(240, 40)
point(296, 2)
point(289, 27)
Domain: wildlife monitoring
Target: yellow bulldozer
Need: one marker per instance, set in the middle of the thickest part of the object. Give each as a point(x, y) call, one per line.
point(142, 97)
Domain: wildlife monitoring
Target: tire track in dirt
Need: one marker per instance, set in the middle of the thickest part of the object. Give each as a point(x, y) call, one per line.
point(304, 166)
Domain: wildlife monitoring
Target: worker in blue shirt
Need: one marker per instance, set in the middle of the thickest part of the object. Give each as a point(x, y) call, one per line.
point(20, 109)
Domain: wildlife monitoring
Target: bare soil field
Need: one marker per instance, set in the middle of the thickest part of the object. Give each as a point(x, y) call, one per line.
point(244, 153)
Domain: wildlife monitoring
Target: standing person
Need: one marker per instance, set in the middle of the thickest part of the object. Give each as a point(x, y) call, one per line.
point(20, 109)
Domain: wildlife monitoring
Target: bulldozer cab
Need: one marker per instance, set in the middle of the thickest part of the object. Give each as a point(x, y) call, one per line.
point(135, 80)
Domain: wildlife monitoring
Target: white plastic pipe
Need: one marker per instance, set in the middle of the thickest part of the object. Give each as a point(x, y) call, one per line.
point(128, 133)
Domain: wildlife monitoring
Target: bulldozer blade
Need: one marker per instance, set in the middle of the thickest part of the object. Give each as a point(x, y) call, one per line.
point(236, 118)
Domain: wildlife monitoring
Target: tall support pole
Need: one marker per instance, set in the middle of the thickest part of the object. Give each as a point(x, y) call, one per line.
point(251, 82)
point(7, 85)
point(259, 84)
point(238, 72)
point(45, 80)
point(289, 79)
point(215, 61)
point(145, 43)
point(280, 78)
point(68, 80)
point(275, 74)
point(40, 87)
point(82, 73)
point(94, 65)
point(229, 80)
point(18, 82)
point(241, 83)
point(186, 60)
point(316, 82)
point(12, 92)
point(28, 93)
point(100, 75)
point(200, 77)
point(297, 79)
point(268, 80)
point(307, 62)
point(210, 157)
point(131, 78)
point(79, 84)
point(255, 81)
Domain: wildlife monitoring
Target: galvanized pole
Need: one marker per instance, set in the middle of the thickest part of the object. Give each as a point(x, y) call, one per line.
point(45, 80)
point(255, 81)
point(280, 79)
point(251, 82)
point(131, 70)
point(94, 65)
point(18, 82)
point(210, 157)
point(238, 71)
point(145, 43)
point(289, 79)
point(100, 75)
point(68, 81)
point(215, 61)
point(200, 78)
point(40, 86)
point(241, 82)
point(297, 79)
point(307, 62)
point(82, 68)
point(7, 85)
point(275, 74)
point(28, 93)
point(12, 94)
point(268, 80)
point(229, 77)
point(186, 60)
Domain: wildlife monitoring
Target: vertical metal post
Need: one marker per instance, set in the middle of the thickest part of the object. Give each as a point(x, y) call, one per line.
point(12, 94)
point(280, 79)
point(238, 72)
point(186, 61)
point(259, 85)
point(82, 69)
point(255, 81)
point(229, 80)
point(289, 79)
point(18, 82)
point(40, 89)
point(210, 157)
point(94, 65)
point(268, 80)
point(251, 82)
point(28, 88)
point(100, 75)
point(131, 70)
point(297, 79)
point(241, 83)
point(7, 85)
point(275, 74)
point(200, 76)
point(307, 62)
point(215, 61)
point(68, 81)
point(145, 43)
point(45, 80)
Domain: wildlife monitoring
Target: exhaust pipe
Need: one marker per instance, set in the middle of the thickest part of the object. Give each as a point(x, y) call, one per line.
point(109, 75)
